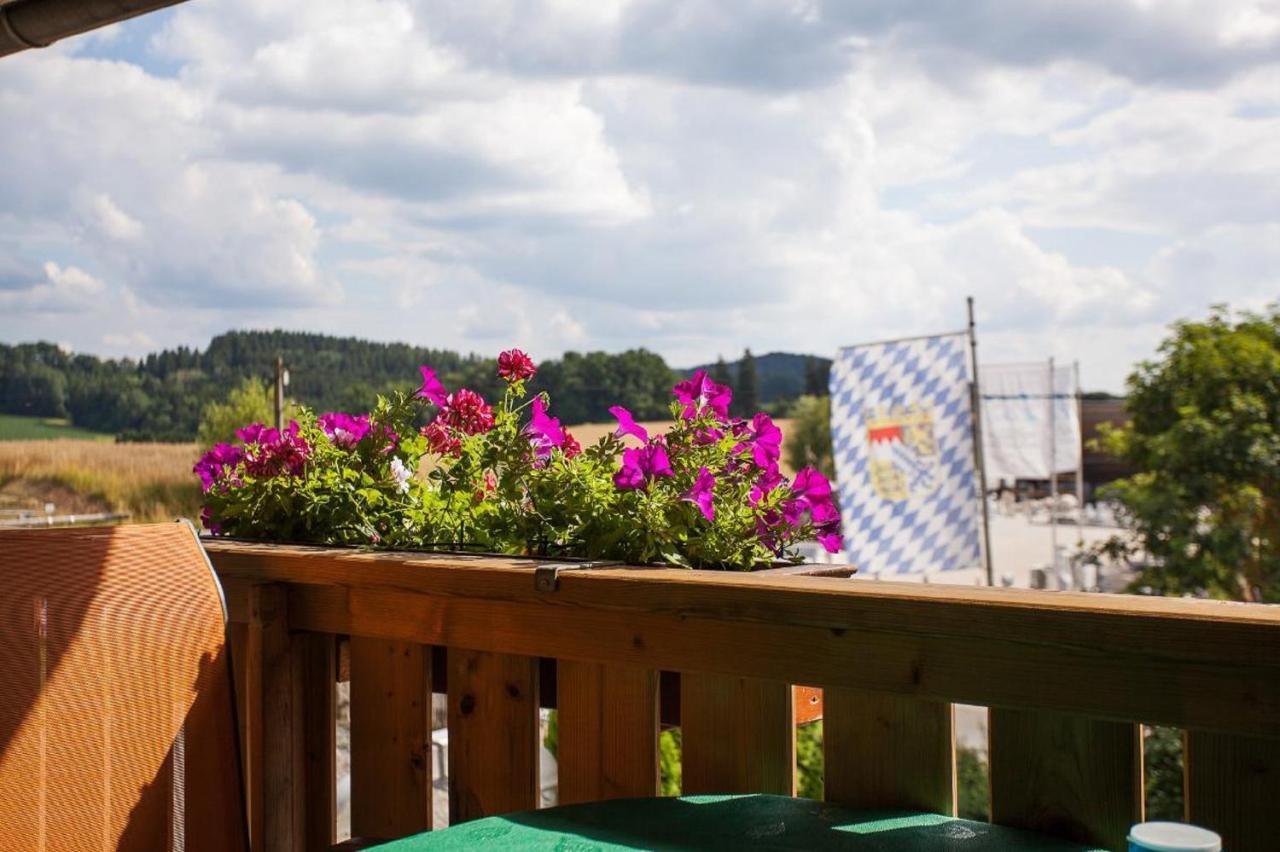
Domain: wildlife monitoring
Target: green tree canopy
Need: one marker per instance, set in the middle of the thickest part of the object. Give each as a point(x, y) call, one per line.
point(249, 402)
point(1205, 439)
point(746, 391)
point(808, 441)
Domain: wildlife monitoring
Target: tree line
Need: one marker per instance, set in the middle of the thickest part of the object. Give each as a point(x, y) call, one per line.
point(160, 397)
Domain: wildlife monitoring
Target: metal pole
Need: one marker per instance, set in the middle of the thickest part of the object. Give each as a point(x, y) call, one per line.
point(975, 407)
point(1080, 465)
point(280, 393)
point(1053, 470)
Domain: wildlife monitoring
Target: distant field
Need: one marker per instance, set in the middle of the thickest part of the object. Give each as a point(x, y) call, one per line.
point(153, 482)
point(16, 428)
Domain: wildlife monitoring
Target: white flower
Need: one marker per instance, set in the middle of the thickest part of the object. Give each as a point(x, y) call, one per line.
point(401, 473)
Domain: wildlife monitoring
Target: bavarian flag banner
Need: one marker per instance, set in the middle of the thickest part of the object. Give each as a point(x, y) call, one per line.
point(903, 440)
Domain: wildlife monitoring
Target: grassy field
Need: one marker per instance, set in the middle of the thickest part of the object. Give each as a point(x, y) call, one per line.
point(153, 482)
point(16, 428)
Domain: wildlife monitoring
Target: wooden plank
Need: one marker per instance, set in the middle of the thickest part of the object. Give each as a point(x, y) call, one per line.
point(245, 642)
point(738, 735)
point(493, 734)
point(608, 723)
point(888, 751)
point(390, 738)
point(283, 758)
point(1109, 656)
point(1066, 775)
point(320, 730)
point(1233, 786)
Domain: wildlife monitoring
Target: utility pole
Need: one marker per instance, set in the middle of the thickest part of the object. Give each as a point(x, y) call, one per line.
point(282, 381)
point(1079, 466)
point(975, 406)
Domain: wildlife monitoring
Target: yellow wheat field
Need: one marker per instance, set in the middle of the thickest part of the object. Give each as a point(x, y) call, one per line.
point(153, 482)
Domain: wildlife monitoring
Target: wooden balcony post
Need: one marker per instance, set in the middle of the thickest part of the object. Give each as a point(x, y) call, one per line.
point(608, 731)
point(888, 751)
point(493, 734)
point(738, 735)
point(283, 757)
point(1066, 775)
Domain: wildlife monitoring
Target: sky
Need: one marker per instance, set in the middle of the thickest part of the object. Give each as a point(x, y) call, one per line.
point(690, 177)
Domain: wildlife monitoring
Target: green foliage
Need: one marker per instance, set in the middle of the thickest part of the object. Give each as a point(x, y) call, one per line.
point(1162, 759)
point(251, 401)
point(973, 785)
point(1205, 439)
point(551, 740)
point(809, 444)
point(585, 385)
point(810, 772)
point(816, 376)
point(670, 768)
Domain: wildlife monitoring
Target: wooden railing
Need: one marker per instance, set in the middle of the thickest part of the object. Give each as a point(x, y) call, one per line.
point(1067, 677)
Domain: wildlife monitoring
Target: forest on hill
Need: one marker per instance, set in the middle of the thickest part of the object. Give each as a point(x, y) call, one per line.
point(160, 397)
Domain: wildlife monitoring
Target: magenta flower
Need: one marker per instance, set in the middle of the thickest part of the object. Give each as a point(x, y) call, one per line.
point(826, 526)
point(467, 412)
point(698, 392)
point(640, 465)
point(811, 486)
point(431, 388)
point(627, 424)
point(702, 493)
point(768, 480)
point(219, 460)
point(254, 434)
point(276, 452)
point(344, 430)
point(207, 521)
point(514, 365)
point(766, 441)
point(543, 430)
point(570, 447)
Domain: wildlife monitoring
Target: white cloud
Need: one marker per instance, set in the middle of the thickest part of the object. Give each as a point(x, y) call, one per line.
point(687, 176)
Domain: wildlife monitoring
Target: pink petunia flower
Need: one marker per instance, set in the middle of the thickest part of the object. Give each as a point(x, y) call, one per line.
point(640, 465)
point(431, 388)
point(699, 392)
point(627, 424)
point(702, 493)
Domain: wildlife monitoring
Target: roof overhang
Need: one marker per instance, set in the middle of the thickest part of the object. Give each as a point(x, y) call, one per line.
point(39, 23)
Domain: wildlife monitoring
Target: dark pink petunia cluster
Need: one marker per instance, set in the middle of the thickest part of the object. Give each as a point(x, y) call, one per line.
point(698, 392)
point(440, 440)
point(812, 502)
point(271, 452)
point(344, 430)
point(514, 366)
point(216, 463)
point(641, 465)
point(466, 411)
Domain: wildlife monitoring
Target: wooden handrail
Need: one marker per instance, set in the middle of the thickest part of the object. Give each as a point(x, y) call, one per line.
point(1067, 678)
point(1193, 663)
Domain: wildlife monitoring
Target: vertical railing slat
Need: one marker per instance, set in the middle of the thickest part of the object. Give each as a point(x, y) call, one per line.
point(390, 738)
point(283, 757)
point(246, 664)
point(888, 751)
point(1066, 775)
point(738, 734)
point(1233, 787)
point(493, 734)
point(608, 723)
point(319, 708)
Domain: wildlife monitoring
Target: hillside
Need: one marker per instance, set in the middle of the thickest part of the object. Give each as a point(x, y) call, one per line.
point(781, 375)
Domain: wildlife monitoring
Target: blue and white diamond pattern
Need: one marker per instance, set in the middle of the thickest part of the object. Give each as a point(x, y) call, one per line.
point(934, 529)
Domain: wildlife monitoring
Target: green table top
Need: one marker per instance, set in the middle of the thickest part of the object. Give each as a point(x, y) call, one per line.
point(729, 823)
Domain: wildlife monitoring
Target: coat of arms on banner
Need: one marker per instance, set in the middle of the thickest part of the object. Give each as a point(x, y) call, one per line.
point(904, 452)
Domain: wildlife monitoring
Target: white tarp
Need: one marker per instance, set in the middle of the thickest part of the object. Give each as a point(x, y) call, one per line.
point(1018, 407)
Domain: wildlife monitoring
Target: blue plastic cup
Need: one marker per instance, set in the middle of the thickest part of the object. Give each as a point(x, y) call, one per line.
point(1172, 837)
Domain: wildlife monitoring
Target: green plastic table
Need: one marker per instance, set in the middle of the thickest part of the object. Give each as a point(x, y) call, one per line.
point(730, 823)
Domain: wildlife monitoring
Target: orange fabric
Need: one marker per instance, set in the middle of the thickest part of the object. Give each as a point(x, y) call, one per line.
point(116, 721)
